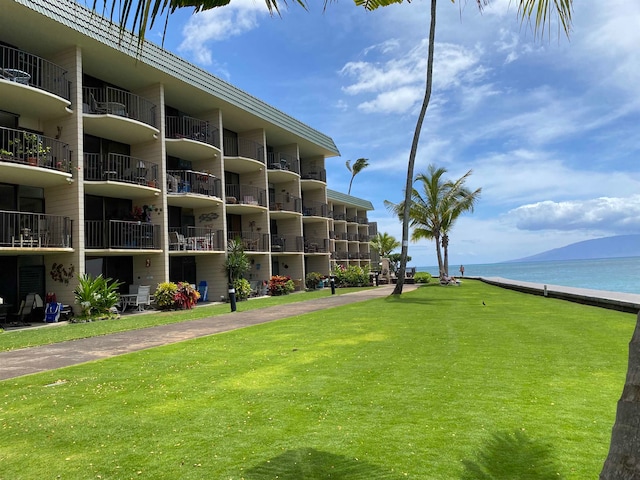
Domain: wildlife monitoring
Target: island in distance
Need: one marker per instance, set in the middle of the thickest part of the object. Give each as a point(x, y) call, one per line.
point(607, 247)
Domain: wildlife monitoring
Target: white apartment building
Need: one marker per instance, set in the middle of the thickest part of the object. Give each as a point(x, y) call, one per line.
point(141, 166)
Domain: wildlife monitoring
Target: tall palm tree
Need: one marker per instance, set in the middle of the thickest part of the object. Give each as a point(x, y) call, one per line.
point(384, 244)
point(435, 208)
point(357, 167)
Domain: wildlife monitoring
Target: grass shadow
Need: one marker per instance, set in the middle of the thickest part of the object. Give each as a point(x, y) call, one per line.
point(312, 464)
point(509, 455)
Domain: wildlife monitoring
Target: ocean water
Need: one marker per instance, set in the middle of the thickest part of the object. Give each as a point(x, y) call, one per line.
point(611, 274)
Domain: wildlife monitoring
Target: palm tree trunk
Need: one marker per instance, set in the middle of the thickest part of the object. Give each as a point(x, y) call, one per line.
point(445, 249)
point(412, 155)
point(623, 461)
point(439, 255)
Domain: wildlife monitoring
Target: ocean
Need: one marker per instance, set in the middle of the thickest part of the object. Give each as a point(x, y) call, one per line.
point(610, 274)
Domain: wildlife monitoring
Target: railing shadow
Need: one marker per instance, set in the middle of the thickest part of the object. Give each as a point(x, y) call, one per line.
point(312, 464)
point(509, 455)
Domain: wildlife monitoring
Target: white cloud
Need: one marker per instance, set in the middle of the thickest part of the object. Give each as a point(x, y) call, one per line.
point(605, 214)
point(217, 24)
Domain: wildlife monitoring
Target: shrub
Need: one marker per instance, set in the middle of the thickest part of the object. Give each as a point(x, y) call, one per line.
point(422, 277)
point(243, 289)
point(351, 276)
point(186, 296)
point(280, 285)
point(312, 280)
point(170, 295)
point(96, 296)
point(165, 295)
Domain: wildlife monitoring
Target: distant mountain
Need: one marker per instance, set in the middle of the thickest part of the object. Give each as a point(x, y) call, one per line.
point(608, 247)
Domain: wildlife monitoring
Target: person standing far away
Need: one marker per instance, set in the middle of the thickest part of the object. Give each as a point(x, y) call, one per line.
point(462, 270)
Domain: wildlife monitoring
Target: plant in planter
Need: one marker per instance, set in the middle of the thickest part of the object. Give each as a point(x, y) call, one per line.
point(31, 148)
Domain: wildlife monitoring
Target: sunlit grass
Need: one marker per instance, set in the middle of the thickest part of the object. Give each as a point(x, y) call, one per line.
point(431, 385)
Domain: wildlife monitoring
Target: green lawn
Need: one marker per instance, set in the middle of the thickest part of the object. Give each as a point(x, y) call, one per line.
point(431, 385)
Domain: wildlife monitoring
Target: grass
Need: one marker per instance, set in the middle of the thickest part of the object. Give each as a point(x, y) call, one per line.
point(431, 385)
point(32, 337)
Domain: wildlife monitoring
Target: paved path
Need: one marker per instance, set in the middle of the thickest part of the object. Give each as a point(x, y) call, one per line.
point(26, 361)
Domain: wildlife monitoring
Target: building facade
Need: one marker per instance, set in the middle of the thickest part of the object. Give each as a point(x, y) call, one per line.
point(139, 166)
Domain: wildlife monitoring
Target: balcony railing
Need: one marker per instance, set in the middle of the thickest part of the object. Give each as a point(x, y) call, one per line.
point(22, 229)
point(316, 245)
point(120, 168)
point(246, 195)
point(319, 174)
point(251, 242)
point(287, 243)
point(283, 161)
point(339, 216)
point(188, 181)
point(122, 234)
point(192, 129)
point(373, 229)
point(196, 238)
point(362, 220)
point(113, 101)
point(287, 202)
point(18, 146)
point(22, 67)
point(311, 208)
point(242, 147)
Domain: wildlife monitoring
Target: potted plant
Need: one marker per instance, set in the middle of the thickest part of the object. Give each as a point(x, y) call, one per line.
point(32, 149)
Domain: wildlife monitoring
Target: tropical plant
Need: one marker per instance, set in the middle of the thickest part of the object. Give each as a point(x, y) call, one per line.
point(242, 288)
point(237, 262)
point(394, 261)
point(434, 211)
point(352, 276)
point(96, 296)
point(31, 146)
point(312, 280)
point(186, 296)
point(165, 295)
point(384, 244)
point(281, 285)
point(359, 165)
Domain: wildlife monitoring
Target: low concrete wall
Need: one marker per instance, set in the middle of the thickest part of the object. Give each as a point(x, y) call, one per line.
point(624, 302)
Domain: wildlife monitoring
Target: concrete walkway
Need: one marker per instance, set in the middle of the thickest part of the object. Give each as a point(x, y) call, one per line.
point(27, 361)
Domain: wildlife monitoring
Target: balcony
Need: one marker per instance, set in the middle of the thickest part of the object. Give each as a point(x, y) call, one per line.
point(316, 245)
point(32, 86)
point(119, 115)
point(311, 208)
point(244, 198)
point(34, 230)
point(286, 243)
point(251, 242)
point(121, 235)
point(284, 202)
point(191, 189)
point(191, 138)
point(248, 156)
point(32, 159)
point(195, 239)
point(119, 175)
point(313, 178)
point(281, 166)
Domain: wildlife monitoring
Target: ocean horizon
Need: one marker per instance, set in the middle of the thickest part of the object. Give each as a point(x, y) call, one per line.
point(609, 274)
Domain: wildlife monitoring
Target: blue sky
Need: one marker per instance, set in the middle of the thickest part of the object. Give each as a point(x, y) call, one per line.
point(549, 126)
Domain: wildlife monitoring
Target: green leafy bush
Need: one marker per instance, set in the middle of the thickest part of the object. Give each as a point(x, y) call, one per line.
point(280, 285)
point(96, 296)
point(165, 295)
point(243, 289)
point(312, 280)
point(351, 276)
point(422, 277)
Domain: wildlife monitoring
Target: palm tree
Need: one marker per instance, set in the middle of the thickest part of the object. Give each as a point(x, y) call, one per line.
point(384, 244)
point(358, 166)
point(435, 209)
